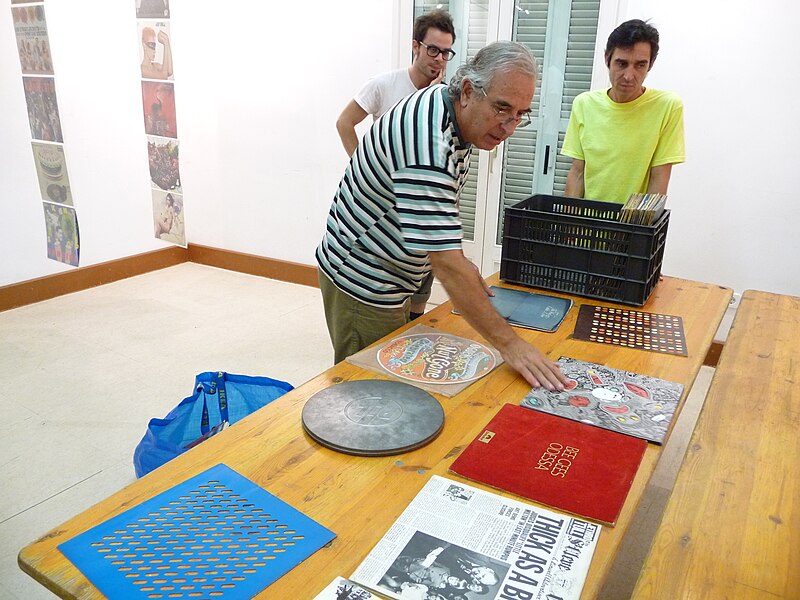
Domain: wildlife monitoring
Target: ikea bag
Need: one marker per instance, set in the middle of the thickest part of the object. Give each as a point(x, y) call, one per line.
point(219, 399)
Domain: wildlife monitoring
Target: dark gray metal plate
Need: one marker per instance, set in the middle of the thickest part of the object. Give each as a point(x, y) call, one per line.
point(373, 417)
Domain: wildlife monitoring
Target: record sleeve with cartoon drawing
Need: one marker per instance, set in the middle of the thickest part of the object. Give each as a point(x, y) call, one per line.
point(630, 403)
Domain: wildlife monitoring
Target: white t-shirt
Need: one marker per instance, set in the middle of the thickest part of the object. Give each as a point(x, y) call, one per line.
point(383, 91)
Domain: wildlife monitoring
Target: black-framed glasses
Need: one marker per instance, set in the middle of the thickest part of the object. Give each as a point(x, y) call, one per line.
point(504, 115)
point(151, 45)
point(434, 51)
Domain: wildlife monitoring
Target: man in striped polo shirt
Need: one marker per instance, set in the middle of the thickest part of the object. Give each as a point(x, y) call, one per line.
point(395, 214)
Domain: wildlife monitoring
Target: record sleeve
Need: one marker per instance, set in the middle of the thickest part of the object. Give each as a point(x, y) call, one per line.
point(567, 465)
point(630, 403)
point(530, 310)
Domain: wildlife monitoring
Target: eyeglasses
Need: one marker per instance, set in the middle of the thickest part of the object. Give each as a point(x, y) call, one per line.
point(151, 45)
point(504, 115)
point(434, 51)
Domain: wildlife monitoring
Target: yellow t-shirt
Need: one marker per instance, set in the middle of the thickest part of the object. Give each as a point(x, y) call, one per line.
point(621, 142)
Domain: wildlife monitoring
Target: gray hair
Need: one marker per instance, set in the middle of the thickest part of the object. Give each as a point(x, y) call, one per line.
point(497, 57)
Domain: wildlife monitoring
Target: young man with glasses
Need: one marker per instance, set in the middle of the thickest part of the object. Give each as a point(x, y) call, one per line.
point(432, 47)
point(394, 217)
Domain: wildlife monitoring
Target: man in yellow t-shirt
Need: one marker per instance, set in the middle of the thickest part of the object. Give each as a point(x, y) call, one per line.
point(624, 139)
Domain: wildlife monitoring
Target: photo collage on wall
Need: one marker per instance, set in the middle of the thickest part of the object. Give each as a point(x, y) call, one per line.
point(39, 86)
point(160, 119)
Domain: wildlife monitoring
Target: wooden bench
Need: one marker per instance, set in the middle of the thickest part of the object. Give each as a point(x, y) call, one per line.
point(731, 528)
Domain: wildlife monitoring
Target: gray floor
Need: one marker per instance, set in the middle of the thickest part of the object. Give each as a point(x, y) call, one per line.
point(85, 372)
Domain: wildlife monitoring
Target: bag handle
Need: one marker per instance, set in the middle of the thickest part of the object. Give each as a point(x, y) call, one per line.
point(215, 387)
point(218, 387)
point(204, 420)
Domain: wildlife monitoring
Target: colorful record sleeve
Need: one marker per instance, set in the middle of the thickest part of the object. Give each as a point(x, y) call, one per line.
point(436, 358)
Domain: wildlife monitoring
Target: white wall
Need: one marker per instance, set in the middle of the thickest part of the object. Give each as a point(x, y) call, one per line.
point(736, 201)
point(258, 94)
point(260, 155)
point(258, 88)
point(96, 66)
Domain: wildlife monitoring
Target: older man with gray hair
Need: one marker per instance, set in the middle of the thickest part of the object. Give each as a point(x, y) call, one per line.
point(395, 214)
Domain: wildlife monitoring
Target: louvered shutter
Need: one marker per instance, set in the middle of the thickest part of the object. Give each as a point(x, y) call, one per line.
point(561, 34)
point(476, 39)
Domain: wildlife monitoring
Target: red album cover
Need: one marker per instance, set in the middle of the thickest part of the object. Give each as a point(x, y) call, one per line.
point(570, 466)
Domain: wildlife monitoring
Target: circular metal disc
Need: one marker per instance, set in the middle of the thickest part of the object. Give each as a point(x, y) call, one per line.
point(373, 417)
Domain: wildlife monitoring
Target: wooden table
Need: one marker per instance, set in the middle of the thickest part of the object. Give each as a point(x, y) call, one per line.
point(359, 498)
point(731, 528)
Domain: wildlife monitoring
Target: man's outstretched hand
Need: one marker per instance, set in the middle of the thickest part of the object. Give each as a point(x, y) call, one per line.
point(535, 367)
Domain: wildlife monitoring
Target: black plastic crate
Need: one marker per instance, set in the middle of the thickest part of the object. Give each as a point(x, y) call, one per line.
point(578, 246)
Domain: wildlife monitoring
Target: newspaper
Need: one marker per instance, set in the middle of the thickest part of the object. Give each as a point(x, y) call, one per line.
point(456, 542)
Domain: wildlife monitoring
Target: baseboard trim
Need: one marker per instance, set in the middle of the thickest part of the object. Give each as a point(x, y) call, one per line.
point(51, 286)
point(82, 278)
point(254, 265)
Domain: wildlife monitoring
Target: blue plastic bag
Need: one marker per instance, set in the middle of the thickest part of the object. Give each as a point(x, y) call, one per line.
point(219, 399)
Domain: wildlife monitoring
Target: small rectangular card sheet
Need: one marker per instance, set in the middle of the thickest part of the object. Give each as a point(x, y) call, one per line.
point(530, 310)
point(216, 535)
point(637, 405)
point(631, 329)
point(430, 359)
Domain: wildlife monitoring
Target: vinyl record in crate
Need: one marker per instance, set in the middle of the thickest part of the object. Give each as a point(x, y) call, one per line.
point(373, 417)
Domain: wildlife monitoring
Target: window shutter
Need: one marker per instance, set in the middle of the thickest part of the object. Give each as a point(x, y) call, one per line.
point(477, 30)
point(577, 73)
point(530, 29)
point(532, 24)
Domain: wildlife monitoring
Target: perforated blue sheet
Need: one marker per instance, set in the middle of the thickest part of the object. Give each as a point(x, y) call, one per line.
point(216, 535)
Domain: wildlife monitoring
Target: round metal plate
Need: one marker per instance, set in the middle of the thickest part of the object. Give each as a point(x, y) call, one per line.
point(373, 417)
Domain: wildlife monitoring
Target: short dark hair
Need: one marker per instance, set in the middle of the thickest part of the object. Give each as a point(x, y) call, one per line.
point(631, 33)
point(438, 19)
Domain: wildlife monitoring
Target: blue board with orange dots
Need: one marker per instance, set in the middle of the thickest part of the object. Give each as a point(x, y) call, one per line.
point(216, 535)
point(631, 329)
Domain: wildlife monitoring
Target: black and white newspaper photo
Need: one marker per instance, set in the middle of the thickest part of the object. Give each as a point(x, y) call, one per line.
point(457, 542)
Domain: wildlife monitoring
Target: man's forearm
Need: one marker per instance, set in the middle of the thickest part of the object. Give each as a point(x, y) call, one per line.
point(469, 292)
point(659, 179)
point(348, 136)
point(576, 187)
point(466, 289)
point(351, 116)
point(167, 60)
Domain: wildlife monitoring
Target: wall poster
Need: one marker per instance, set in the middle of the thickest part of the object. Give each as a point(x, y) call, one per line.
point(160, 119)
point(33, 45)
point(39, 87)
